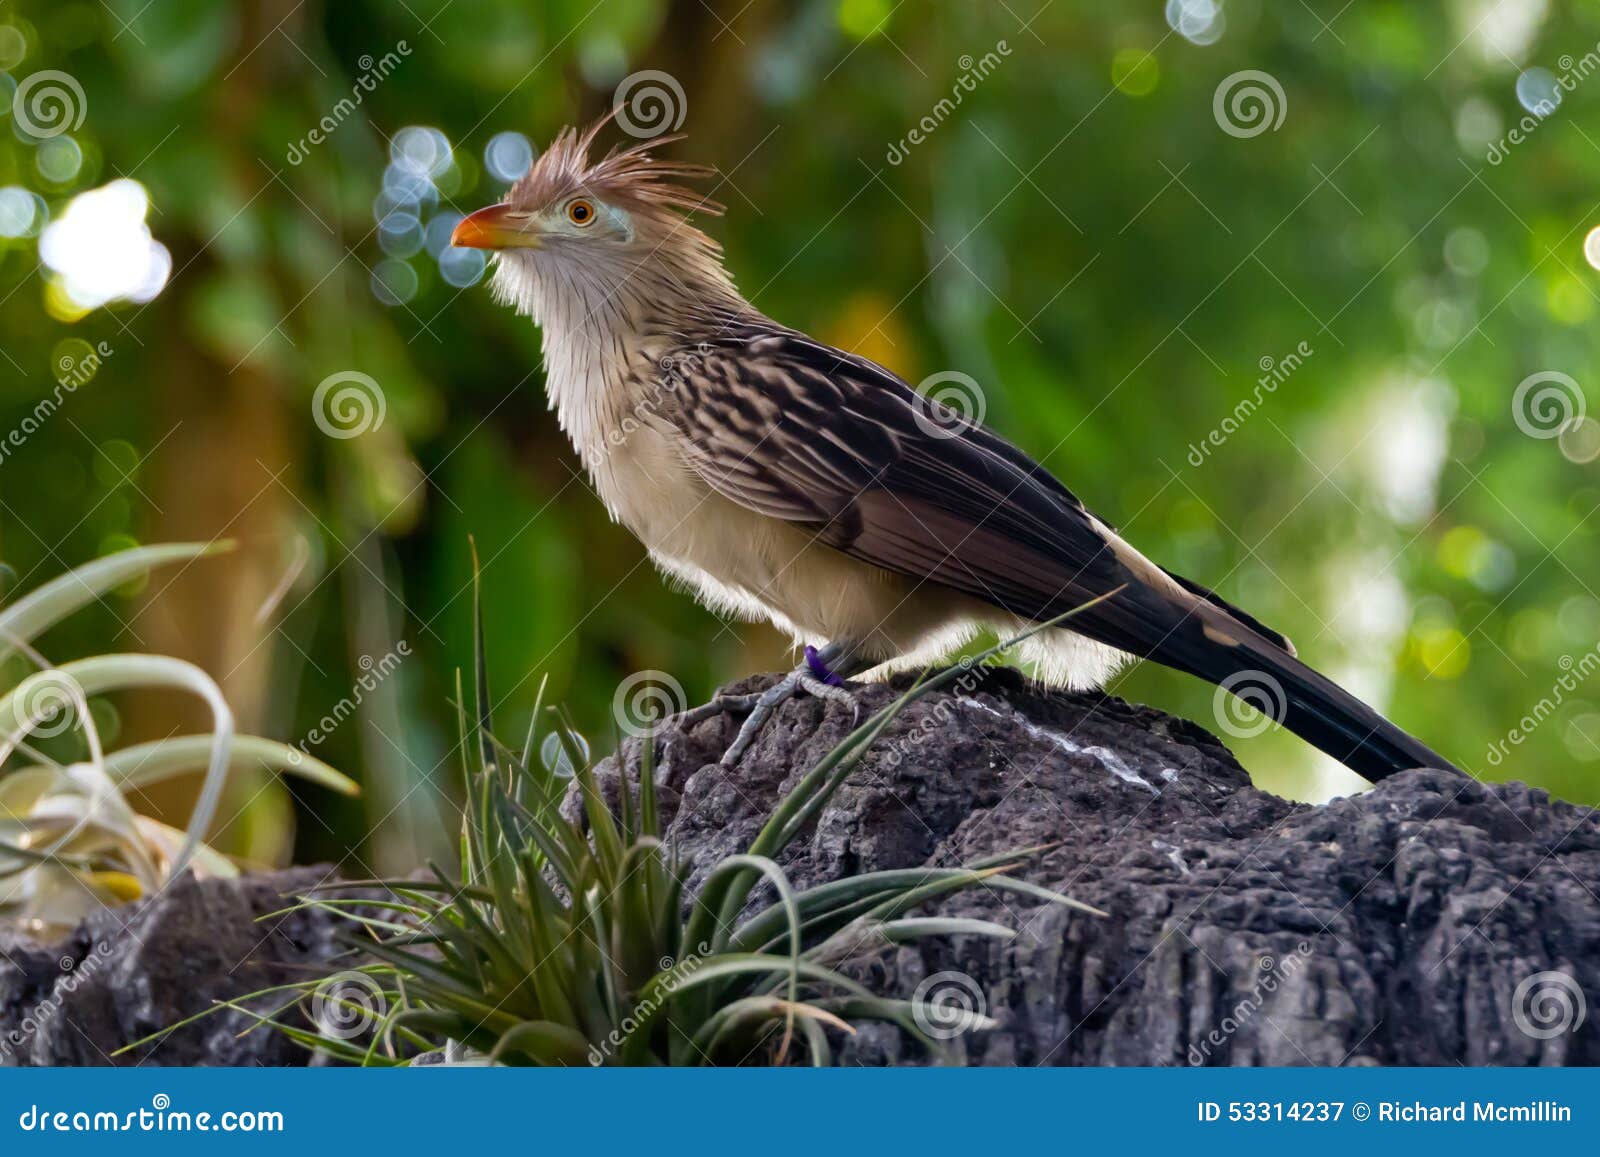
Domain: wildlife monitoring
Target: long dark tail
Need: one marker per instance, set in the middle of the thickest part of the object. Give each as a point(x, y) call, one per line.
point(1311, 705)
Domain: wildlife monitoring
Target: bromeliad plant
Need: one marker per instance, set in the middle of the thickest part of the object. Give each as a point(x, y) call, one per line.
point(557, 946)
point(71, 839)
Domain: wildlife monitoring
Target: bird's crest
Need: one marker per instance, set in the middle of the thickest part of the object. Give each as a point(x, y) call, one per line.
point(629, 175)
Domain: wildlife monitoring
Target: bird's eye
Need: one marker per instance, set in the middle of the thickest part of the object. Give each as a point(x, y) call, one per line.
point(580, 212)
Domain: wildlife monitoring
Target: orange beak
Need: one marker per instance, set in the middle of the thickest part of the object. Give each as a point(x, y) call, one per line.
point(492, 228)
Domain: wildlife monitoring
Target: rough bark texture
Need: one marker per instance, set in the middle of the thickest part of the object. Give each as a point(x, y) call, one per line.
point(1433, 920)
point(1394, 927)
point(125, 974)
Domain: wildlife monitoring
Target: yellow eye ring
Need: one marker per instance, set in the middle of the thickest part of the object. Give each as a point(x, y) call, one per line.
point(581, 212)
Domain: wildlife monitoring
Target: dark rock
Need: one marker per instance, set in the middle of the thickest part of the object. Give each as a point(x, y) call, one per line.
point(1393, 927)
point(126, 973)
point(1432, 920)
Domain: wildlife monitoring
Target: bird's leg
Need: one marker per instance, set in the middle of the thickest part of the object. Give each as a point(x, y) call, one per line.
point(822, 674)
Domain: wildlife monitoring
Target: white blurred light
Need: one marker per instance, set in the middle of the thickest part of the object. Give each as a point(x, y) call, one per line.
point(18, 213)
point(421, 149)
point(405, 185)
point(1580, 440)
point(400, 234)
point(1591, 247)
point(1504, 31)
point(103, 249)
point(462, 267)
point(507, 156)
point(437, 234)
point(1197, 21)
point(1538, 92)
point(58, 159)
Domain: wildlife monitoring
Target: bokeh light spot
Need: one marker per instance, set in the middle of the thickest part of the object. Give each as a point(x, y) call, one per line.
point(58, 159)
point(1135, 71)
point(863, 18)
point(1591, 247)
point(1197, 21)
point(1538, 91)
point(507, 156)
point(462, 267)
point(394, 282)
point(400, 234)
point(103, 249)
point(18, 212)
point(1580, 440)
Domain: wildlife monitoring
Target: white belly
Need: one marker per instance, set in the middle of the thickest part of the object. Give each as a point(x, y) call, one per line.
point(757, 568)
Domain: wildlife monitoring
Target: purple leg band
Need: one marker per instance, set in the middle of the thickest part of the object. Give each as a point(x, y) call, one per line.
point(820, 669)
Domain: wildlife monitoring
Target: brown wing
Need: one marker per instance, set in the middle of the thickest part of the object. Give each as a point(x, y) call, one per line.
point(799, 431)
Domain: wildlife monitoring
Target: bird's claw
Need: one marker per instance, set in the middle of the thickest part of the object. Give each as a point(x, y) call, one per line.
point(769, 700)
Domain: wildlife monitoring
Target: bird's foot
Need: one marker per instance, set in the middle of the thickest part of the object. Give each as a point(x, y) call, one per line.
point(822, 675)
point(773, 697)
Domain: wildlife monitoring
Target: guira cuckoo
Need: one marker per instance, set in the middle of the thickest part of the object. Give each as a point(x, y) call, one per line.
point(782, 479)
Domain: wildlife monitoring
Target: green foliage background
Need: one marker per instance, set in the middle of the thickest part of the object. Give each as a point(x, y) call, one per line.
point(1079, 236)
